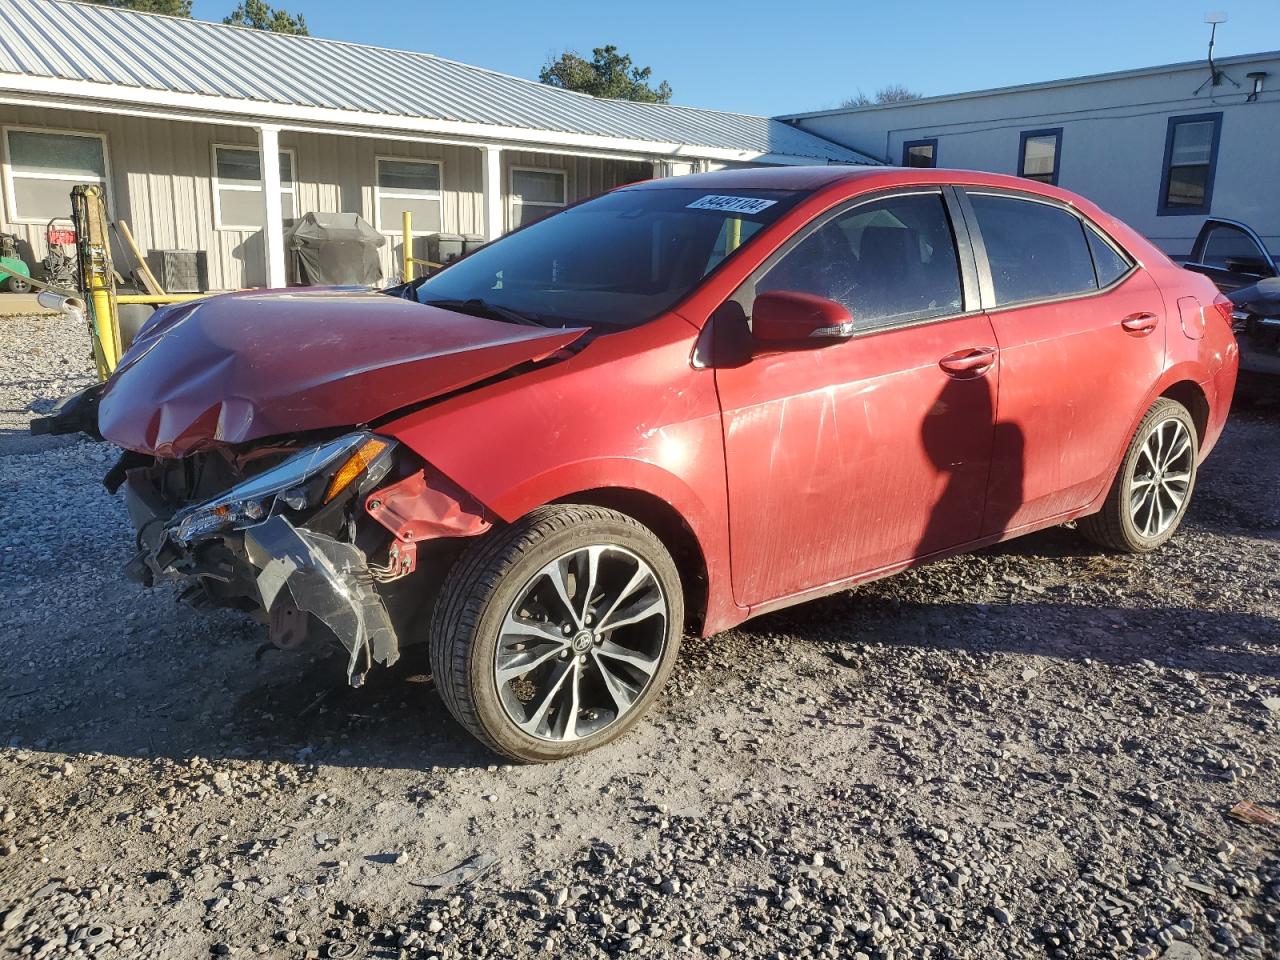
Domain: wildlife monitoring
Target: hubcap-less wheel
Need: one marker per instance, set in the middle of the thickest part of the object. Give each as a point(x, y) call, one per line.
point(1161, 477)
point(581, 643)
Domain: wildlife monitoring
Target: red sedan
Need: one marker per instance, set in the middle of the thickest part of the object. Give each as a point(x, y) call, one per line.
point(670, 408)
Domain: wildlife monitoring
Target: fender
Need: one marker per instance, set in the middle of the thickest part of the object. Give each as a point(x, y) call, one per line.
point(612, 417)
point(616, 473)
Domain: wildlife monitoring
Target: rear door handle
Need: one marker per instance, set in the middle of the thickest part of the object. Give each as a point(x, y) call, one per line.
point(974, 361)
point(1140, 323)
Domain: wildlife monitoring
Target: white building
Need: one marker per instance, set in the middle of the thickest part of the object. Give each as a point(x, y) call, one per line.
point(1160, 147)
point(176, 117)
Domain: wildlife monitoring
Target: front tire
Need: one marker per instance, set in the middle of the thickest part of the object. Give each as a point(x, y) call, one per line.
point(1152, 490)
point(554, 635)
point(18, 284)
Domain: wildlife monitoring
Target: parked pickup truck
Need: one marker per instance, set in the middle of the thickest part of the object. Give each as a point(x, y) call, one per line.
point(1234, 257)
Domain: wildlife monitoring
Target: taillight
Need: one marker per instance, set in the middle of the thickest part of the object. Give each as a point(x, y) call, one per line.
point(1224, 308)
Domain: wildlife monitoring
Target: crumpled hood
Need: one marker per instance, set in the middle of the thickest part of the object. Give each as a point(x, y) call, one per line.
point(241, 366)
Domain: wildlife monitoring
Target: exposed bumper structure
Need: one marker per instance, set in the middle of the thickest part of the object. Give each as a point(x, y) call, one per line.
point(329, 580)
point(278, 568)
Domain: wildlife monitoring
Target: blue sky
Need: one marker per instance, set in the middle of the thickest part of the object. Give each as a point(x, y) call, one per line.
point(771, 58)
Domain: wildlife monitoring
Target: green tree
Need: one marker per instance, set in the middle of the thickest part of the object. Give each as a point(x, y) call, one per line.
point(894, 93)
point(262, 16)
point(174, 8)
point(607, 74)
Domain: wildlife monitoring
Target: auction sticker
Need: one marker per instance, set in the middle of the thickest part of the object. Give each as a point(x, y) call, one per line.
point(731, 204)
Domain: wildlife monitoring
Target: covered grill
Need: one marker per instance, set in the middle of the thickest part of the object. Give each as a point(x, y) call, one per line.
point(334, 248)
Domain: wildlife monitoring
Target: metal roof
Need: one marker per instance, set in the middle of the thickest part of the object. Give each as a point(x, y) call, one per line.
point(64, 40)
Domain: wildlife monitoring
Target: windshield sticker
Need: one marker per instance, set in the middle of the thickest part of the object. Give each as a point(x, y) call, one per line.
point(731, 204)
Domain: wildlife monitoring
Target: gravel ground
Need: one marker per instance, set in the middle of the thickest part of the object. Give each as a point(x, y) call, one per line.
point(1027, 752)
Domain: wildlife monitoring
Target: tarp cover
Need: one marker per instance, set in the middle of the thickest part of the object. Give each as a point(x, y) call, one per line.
point(335, 249)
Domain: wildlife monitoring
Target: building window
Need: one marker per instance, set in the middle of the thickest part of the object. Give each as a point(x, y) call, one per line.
point(1038, 153)
point(536, 193)
point(237, 188)
point(412, 185)
point(1190, 156)
point(920, 153)
point(41, 167)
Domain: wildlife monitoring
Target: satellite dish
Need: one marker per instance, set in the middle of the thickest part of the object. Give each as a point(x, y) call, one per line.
point(1215, 18)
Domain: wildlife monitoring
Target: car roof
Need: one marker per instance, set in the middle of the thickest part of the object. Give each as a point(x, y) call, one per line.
point(820, 177)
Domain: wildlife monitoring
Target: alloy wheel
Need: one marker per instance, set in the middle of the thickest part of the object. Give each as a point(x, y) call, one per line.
point(581, 643)
point(1161, 478)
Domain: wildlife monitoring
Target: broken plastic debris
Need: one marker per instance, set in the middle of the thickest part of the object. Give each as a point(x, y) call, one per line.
point(330, 580)
point(1247, 812)
point(464, 872)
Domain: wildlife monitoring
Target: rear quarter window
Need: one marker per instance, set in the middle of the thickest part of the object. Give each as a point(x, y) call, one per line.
point(1107, 263)
point(1036, 251)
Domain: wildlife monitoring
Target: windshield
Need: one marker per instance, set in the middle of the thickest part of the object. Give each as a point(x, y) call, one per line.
point(615, 261)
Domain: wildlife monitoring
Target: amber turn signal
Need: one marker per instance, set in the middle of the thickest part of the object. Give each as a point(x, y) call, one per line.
point(356, 464)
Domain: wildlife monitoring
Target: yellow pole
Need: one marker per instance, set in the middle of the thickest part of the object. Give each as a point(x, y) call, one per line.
point(406, 251)
point(158, 299)
point(94, 245)
point(100, 300)
point(734, 238)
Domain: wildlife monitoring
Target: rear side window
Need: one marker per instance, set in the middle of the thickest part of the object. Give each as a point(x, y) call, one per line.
point(1107, 264)
point(1036, 250)
point(889, 261)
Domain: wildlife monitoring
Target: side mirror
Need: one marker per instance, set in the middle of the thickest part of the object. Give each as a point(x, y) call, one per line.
point(800, 319)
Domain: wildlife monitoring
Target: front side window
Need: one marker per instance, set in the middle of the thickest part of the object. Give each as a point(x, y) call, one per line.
point(43, 167)
point(1227, 247)
point(536, 193)
point(1038, 155)
point(1190, 155)
point(412, 185)
point(1035, 250)
point(887, 261)
point(920, 153)
point(237, 184)
point(613, 262)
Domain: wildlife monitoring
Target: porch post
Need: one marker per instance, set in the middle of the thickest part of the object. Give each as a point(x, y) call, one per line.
point(491, 184)
point(273, 222)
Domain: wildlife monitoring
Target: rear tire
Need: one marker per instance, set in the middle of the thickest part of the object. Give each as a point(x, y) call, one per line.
point(1152, 490)
point(553, 636)
point(18, 284)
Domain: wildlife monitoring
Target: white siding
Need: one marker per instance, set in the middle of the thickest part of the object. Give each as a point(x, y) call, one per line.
point(162, 184)
point(1113, 140)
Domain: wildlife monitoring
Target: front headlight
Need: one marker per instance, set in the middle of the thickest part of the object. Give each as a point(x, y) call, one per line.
point(310, 478)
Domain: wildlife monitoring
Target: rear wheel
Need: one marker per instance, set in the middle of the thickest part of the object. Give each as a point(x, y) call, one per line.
point(18, 284)
point(1152, 490)
point(554, 635)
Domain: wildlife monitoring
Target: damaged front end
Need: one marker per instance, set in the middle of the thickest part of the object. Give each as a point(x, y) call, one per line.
point(302, 537)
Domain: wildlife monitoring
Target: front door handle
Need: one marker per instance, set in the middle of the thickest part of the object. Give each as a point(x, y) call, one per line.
point(1140, 323)
point(974, 361)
